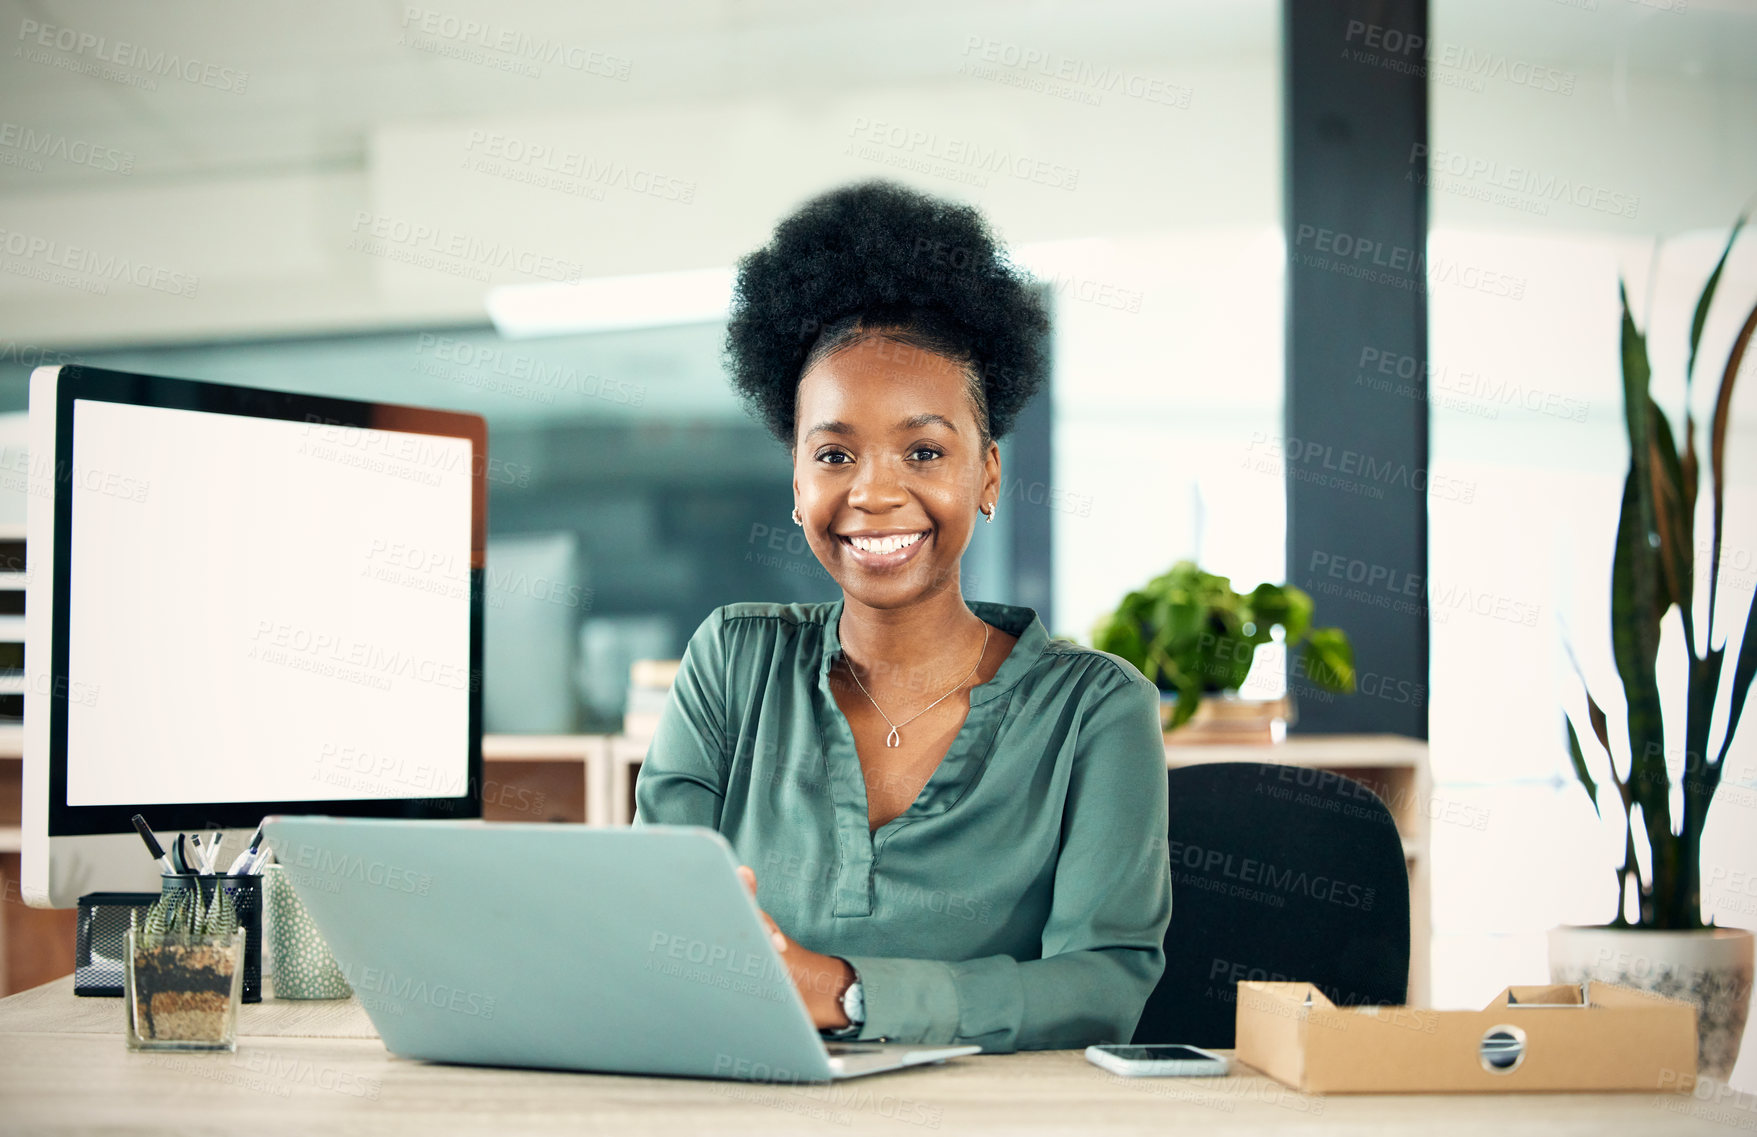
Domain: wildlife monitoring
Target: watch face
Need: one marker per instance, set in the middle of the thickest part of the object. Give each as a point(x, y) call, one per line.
point(854, 1003)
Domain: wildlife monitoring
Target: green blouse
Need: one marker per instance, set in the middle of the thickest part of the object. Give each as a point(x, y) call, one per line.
point(1020, 902)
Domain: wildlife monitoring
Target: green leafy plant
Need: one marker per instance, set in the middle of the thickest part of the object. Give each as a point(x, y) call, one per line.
point(1653, 570)
point(1189, 632)
point(184, 913)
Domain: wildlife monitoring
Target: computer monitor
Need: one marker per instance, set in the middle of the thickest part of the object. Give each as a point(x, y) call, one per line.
point(241, 602)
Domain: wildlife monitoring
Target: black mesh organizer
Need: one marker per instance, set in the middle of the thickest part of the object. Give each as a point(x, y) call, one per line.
point(102, 940)
point(103, 932)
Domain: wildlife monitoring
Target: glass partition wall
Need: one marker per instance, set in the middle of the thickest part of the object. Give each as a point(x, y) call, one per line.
point(1127, 154)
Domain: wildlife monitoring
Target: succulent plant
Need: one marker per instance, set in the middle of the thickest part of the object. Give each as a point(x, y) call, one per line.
point(185, 913)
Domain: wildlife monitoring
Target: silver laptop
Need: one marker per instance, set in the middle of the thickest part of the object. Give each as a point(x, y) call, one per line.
point(634, 951)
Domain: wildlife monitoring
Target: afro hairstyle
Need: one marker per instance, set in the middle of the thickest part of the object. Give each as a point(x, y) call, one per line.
point(878, 258)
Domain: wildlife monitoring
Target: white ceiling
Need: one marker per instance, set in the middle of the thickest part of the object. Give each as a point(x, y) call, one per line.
point(322, 74)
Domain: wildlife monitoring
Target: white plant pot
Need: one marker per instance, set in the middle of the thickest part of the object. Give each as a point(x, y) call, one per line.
point(1710, 968)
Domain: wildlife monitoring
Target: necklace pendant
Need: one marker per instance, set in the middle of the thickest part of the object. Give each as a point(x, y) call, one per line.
point(893, 738)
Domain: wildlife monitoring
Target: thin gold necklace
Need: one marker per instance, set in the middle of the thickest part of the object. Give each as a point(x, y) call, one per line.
point(894, 739)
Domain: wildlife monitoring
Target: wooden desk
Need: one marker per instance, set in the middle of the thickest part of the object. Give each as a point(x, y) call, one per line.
point(318, 1068)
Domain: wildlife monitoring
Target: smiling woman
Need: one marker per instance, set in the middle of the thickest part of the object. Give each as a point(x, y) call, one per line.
point(954, 825)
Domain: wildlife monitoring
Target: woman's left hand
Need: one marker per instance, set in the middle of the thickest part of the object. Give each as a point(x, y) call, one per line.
point(820, 978)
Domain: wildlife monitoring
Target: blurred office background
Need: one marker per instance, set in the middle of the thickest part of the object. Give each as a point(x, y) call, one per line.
point(327, 204)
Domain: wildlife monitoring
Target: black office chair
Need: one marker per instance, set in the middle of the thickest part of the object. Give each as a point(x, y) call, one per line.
point(1279, 873)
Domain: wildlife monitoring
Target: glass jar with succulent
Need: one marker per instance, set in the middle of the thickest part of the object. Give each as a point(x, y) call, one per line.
point(1657, 939)
point(184, 972)
point(1193, 636)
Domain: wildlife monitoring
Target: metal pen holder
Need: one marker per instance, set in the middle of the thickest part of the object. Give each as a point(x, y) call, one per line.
point(246, 893)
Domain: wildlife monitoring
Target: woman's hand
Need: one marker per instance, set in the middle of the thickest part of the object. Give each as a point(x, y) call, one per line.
point(820, 979)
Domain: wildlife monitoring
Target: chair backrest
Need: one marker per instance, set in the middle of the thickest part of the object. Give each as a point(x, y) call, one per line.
point(1280, 873)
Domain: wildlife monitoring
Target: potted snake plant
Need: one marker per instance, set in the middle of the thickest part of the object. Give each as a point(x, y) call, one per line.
point(1658, 940)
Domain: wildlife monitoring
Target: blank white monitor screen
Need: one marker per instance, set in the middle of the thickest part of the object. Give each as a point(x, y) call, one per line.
point(265, 610)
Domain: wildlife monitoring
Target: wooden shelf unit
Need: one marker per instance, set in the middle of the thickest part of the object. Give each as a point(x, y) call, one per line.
point(36, 944)
point(589, 778)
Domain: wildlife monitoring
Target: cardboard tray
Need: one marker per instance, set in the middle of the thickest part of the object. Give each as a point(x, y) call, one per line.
point(1596, 1037)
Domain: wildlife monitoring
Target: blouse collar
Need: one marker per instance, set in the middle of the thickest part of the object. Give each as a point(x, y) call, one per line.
point(1014, 619)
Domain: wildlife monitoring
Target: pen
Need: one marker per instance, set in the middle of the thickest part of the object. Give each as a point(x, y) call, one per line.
point(200, 854)
point(255, 865)
point(213, 850)
point(242, 864)
point(152, 843)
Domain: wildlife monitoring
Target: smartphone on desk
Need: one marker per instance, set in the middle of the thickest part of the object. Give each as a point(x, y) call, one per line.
point(1163, 1061)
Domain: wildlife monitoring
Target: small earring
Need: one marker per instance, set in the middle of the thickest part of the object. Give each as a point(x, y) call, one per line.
point(988, 513)
point(797, 520)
